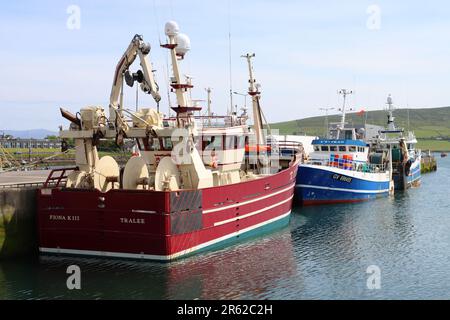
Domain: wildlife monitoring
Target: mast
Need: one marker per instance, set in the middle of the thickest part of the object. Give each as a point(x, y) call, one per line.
point(208, 90)
point(391, 118)
point(344, 93)
point(178, 45)
point(255, 94)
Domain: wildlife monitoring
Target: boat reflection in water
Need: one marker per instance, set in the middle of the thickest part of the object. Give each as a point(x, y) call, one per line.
point(255, 269)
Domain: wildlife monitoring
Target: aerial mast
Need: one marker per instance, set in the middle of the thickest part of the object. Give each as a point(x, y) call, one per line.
point(208, 90)
point(179, 44)
point(344, 93)
point(255, 94)
point(391, 118)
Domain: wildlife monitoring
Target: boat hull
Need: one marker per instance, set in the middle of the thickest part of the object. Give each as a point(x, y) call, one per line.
point(412, 179)
point(415, 174)
point(153, 225)
point(318, 185)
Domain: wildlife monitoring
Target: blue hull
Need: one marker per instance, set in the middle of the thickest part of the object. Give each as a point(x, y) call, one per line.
point(318, 185)
point(415, 176)
point(412, 179)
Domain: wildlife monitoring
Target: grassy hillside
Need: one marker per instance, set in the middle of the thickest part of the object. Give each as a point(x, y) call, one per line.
point(431, 126)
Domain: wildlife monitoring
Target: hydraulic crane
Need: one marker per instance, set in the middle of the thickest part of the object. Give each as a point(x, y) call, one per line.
point(145, 77)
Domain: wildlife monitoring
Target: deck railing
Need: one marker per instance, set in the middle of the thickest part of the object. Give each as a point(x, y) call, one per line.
point(349, 165)
point(21, 185)
point(58, 177)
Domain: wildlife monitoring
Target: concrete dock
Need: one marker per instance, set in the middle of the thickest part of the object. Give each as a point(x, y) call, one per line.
point(23, 177)
point(428, 163)
point(18, 236)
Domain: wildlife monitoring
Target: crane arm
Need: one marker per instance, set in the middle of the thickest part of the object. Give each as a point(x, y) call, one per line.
point(148, 85)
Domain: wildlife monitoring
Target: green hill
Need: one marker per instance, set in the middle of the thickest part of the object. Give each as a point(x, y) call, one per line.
point(431, 125)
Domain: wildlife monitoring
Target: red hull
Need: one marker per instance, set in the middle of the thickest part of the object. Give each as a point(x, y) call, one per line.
point(159, 225)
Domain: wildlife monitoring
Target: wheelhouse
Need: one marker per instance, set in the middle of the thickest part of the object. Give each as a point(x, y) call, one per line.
point(340, 153)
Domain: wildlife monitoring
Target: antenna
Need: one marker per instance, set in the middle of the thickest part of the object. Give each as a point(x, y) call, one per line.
point(189, 82)
point(344, 93)
point(254, 92)
point(245, 95)
point(391, 118)
point(208, 90)
point(167, 75)
point(229, 53)
point(407, 110)
point(326, 109)
point(390, 103)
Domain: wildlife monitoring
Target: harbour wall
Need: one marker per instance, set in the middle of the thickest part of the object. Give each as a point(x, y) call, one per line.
point(18, 233)
point(428, 164)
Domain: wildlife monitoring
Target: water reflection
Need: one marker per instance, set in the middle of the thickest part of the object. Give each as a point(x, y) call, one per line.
point(324, 254)
point(335, 244)
point(251, 270)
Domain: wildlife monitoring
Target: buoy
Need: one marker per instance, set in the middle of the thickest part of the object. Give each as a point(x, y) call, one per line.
point(260, 148)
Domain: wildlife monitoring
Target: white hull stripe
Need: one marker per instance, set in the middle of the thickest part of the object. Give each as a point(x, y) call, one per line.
point(253, 213)
point(160, 257)
point(247, 202)
point(342, 189)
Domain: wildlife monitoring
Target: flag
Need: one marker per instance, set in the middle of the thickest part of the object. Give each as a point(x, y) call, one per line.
point(361, 112)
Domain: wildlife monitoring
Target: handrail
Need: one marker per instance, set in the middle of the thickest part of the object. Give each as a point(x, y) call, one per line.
point(59, 179)
point(349, 165)
point(21, 185)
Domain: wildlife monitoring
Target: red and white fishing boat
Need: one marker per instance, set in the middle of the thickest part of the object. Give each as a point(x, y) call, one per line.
point(197, 182)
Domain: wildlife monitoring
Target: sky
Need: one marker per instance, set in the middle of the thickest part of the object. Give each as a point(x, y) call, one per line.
point(305, 52)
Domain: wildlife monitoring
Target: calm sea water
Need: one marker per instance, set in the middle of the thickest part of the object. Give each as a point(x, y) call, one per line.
point(323, 254)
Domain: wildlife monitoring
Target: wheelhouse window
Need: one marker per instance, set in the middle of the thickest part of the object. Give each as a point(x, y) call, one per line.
point(352, 148)
point(316, 148)
point(149, 144)
point(212, 142)
point(343, 148)
point(348, 134)
point(333, 148)
point(240, 142)
point(155, 144)
point(360, 149)
point(167, 143)
point(324, 148)
point(230, 142)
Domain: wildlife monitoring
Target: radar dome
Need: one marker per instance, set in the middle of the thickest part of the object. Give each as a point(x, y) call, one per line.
point(171, 28)
point(183, 44)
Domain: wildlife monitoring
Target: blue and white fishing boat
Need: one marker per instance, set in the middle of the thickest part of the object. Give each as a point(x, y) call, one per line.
point(406, 159)
point(339, 170)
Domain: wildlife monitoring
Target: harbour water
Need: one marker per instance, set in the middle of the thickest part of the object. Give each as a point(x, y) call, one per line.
point(323, 254)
